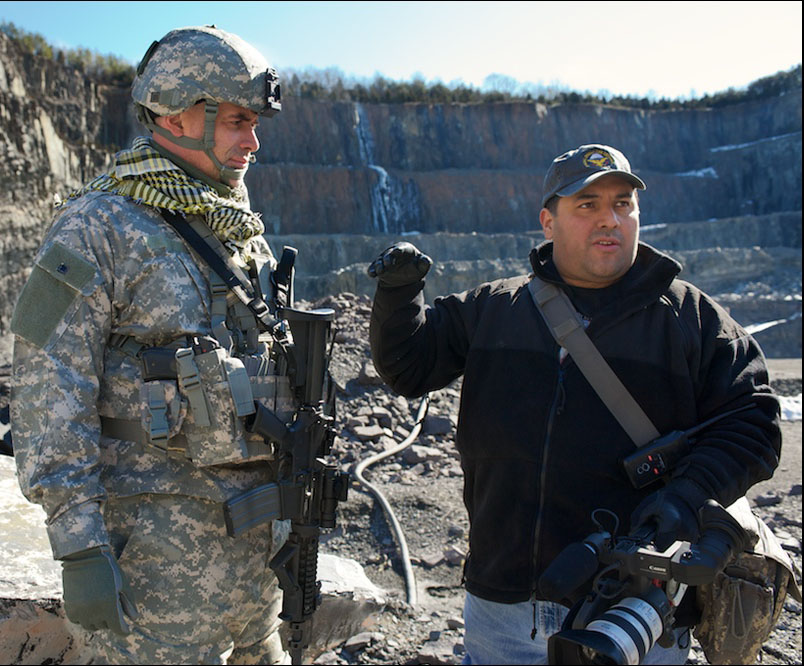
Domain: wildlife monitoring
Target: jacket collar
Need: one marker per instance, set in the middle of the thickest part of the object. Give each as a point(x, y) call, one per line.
point(645, 281)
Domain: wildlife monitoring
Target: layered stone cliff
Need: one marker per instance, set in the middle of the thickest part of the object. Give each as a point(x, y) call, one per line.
point(463, 168)
point(750, 264)
point(341, 181)
point(57, 129)
point(466, 177)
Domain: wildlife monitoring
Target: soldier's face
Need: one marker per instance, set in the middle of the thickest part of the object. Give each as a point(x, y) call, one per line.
point(235, 137)
point(594, 232)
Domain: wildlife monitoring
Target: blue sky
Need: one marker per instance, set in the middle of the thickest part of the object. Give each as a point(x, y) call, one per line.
point(669, 49)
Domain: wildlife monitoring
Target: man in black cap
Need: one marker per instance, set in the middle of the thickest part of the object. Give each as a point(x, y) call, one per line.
point(539, 449)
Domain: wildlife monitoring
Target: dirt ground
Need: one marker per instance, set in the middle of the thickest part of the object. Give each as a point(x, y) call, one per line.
point(425, 491)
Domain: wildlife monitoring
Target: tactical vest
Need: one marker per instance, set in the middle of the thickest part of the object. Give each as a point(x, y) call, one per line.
point(198, 392)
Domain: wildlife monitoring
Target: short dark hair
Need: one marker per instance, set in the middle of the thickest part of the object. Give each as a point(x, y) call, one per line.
point(552, 204)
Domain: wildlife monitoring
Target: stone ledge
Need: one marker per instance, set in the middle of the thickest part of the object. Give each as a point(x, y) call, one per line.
point(36, 632)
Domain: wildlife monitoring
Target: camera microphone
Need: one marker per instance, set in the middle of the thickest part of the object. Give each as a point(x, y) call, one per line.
point(576, 564)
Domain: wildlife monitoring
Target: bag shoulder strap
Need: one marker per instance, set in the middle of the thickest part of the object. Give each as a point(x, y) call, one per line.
point(567, 328)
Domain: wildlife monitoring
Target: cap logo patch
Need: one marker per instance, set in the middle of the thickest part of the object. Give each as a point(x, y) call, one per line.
point(599, 159)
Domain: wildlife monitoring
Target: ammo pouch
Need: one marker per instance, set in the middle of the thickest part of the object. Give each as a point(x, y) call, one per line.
point(198, 403)
point(205, 420)
point(740, 607)
point(218, 392)
point(220, 395)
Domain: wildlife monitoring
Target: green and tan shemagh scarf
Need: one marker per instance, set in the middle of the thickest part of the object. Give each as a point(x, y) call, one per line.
point(141, 173)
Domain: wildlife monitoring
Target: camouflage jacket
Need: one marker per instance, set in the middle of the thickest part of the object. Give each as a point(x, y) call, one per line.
point(112, 270)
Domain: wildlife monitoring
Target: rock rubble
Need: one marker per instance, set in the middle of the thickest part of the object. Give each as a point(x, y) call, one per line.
point(423, 483)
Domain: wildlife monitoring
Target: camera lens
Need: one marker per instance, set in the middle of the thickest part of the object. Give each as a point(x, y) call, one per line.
point(591, 656)
point(633, 626)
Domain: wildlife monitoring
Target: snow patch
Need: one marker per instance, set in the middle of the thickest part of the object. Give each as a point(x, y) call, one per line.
point(706, 172)
point(738, 146)
point(756, 328)
point(791, 407)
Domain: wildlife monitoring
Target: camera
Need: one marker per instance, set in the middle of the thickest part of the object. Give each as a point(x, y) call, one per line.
point(635, 589)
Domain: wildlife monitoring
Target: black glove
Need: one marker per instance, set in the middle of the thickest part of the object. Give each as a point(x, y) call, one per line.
point(673, 516)
point(400, 264)
point(96, 594)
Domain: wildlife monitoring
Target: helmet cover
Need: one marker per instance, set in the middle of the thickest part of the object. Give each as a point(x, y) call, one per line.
point(195, 63)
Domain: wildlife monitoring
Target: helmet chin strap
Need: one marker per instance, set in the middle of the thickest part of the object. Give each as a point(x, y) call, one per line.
point(206, 144)
point(226, 173)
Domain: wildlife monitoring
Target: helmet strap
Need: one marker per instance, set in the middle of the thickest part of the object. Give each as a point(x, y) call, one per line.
point(226, 173)
point(206, 144)
point(222, 189)
point(146, 118)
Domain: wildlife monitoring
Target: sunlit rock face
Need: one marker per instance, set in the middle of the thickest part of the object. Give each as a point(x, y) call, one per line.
point(58, 129)
point(380, 168)
point(342, 180)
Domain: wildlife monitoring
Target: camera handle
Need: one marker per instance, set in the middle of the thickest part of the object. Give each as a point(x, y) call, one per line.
point(721, 537)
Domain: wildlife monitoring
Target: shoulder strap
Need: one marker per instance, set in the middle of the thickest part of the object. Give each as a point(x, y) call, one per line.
point(567, 328)
point(239, 285)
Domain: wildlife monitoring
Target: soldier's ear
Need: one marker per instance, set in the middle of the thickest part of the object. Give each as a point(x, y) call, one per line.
point(173, 124)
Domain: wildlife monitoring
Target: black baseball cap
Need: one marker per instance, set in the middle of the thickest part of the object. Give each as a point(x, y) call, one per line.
point(571, 172)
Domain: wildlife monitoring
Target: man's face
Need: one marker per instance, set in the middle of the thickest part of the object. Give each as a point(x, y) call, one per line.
point(594, 232)
point(235, 137)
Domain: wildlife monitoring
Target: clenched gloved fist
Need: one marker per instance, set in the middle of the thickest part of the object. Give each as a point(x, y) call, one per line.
point(400, 264)
point(96, 594)
point(675, 519)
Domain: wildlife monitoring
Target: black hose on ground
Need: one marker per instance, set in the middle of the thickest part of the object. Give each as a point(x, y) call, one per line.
point(410, 581)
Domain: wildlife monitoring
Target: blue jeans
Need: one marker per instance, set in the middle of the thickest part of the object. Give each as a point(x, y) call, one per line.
point(500, 633)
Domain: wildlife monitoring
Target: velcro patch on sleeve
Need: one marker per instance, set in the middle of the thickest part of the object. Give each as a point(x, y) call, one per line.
point(57, 279)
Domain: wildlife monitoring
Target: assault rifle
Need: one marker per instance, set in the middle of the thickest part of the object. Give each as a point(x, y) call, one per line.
point(308, 488)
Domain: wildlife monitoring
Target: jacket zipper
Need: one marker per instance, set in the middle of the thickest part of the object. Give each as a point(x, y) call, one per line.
point(555, 410)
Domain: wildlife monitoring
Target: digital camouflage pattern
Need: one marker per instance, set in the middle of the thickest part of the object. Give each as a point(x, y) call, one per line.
point(111, 267)
point(196, 619)
point(144, 466)
point(190, 64)
point(143, 283)
point(740, 609)
point(741, 606)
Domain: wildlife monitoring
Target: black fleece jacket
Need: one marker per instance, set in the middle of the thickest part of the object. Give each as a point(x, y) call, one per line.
point(538, 447)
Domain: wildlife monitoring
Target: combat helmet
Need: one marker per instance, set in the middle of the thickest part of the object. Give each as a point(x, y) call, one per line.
point(203, 63)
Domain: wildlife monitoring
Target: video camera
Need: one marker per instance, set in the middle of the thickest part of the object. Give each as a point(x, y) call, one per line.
point(635, 591)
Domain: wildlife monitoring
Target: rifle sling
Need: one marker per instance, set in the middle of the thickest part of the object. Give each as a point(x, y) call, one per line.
point(201, 239)
point(567, 328)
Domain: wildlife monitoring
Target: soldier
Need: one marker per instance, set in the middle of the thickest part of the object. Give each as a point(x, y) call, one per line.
point(135, 368)
point(539, 448)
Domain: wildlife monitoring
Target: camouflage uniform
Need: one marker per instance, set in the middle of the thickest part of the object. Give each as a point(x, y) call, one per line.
point(110, 277)
point(136, 461)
